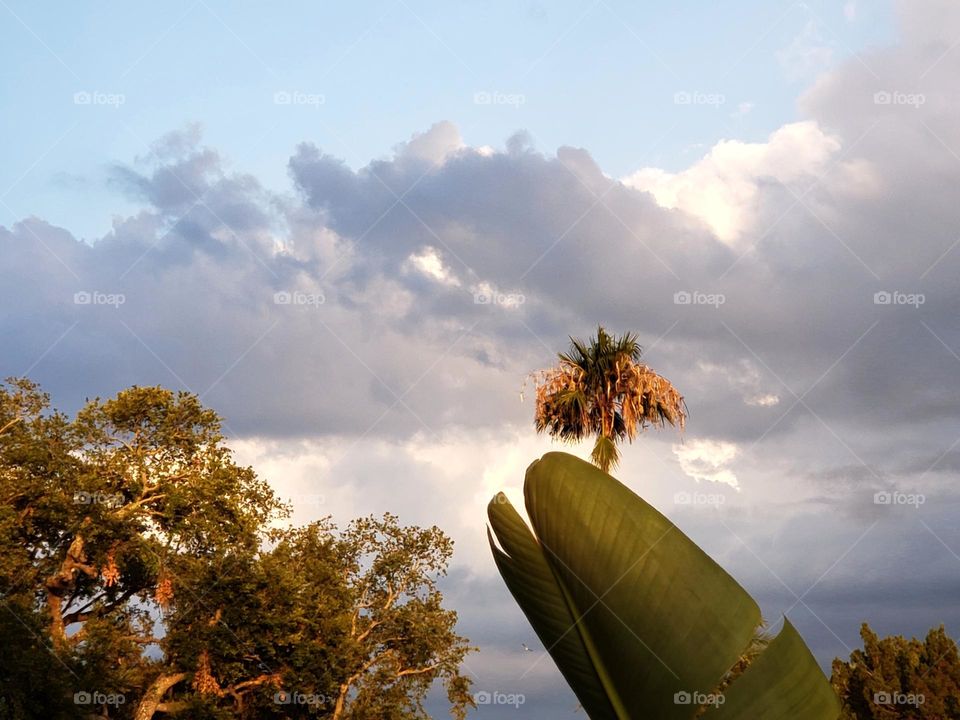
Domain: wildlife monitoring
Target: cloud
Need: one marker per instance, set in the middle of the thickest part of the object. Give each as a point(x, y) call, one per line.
point(365, 340)
point(723, 189)
point(707, 460)
point(433, 146)
point(429, 262)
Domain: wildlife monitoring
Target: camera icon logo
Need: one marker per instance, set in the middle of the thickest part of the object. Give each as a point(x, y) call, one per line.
point(482, 698)
point(682, 698)
point(682, 298)
point(882, 498)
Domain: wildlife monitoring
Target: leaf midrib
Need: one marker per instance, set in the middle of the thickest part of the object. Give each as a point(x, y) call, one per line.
point(581, 627)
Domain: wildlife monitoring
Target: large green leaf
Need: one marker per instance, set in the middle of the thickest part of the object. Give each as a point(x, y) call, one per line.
point(535, 588)
point(636, 616)
point(784, 683)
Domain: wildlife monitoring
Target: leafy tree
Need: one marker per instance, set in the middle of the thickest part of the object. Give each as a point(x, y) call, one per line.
point(345, 625)
point(601, 388)
point(143, 572)
point(897, 678)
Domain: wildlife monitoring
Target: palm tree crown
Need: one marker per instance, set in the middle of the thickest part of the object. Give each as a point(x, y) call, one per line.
point(601, 388)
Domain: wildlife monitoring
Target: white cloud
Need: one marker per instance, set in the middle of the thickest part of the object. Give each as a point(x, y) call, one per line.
point(764, 400)
point(433, 146)
point(429, 262)
point(742, 377)
point(450, 476)
point(708, 460)
point(723, 188)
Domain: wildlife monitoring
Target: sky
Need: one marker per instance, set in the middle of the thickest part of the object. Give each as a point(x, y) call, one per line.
point(355, 231)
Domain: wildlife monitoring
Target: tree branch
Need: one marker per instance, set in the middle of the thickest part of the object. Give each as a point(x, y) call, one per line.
point(418, 671)
point(10, 424)
point(150, 703)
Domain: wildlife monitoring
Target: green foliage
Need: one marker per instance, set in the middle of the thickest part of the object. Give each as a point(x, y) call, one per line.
point(139, 561)
point(897, 678)
point(640, 621)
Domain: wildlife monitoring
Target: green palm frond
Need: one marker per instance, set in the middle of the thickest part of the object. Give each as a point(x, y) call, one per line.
point(605, 454)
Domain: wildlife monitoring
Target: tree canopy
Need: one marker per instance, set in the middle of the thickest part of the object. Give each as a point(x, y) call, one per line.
point(143, 573)
point(897, 678)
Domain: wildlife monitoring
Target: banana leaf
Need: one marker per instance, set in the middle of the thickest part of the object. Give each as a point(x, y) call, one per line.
point(641, 623)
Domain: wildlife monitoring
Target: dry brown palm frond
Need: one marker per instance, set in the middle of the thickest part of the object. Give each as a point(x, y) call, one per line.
point(559, 408)
point(640, 396)
point(601, 388)
point(654, 399)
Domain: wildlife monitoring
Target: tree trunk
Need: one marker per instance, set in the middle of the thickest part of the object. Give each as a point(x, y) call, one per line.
point(341, 701)
point(154, 694)
point(63, 582)
point(58, 633)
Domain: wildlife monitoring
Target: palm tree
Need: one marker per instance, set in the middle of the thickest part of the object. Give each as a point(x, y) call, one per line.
point(601, 388)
